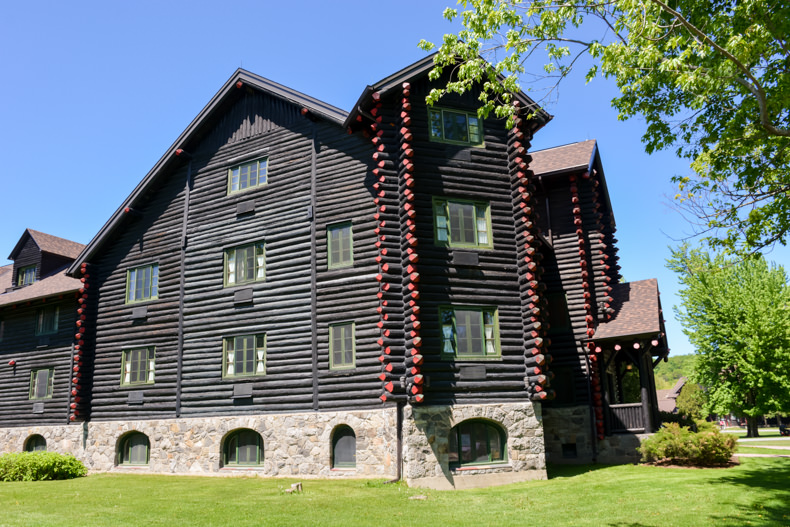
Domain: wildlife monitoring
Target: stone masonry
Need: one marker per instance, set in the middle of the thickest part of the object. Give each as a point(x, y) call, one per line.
point(426, 432)
point(294, 445)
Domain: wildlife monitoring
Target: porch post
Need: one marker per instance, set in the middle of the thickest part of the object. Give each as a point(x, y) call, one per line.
point(643, 381)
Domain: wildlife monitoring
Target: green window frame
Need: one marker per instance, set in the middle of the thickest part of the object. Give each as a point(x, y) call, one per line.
point(344, 447)
point(47, 320)
point(41, 382)
point(245, 264)
point(243, 447)
point(455, 127)
point(36, 443)
point(135, 450)
point(244, 356)
point(26, 275)
point(142, 283)
point(340, 245)
point(249, 175)
point(138, 366)
point(469, 332)
point(476, 442)
point(342, 346)
point(462, 223)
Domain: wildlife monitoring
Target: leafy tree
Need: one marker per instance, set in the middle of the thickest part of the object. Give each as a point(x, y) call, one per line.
point(677, 366)
point(737, 315)
point(691, 401)
point(710, 78)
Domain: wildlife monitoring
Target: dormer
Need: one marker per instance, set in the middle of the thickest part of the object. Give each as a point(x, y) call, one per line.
point(38, 255)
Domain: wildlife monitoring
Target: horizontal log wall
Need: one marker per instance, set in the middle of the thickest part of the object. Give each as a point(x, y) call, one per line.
point(31, 352)
point(344, 192)
point(280, 306)
point(474, 173)
point(149, 235)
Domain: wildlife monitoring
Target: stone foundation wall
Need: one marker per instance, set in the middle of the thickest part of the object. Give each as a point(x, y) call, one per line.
point(426, 458)
point(293, 444)
point(570, 426)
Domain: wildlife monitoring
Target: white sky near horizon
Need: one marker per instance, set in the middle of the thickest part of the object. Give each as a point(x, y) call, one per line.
point(93, 94)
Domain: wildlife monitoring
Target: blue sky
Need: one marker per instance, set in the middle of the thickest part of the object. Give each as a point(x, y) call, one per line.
point(93, 93)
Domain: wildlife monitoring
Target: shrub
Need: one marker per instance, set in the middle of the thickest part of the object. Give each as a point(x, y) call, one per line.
point(37, 466)
point(682, 420)
point(677, 444)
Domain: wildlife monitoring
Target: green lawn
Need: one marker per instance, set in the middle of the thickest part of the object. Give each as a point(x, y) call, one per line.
point(754, 493)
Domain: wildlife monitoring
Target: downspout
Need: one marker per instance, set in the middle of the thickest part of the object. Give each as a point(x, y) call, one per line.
point(594, 431)
point(182, 280)
point(399, 456)
point(313, 265)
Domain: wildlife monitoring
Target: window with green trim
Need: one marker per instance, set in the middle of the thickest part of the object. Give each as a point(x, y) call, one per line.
point(344, 447)
point(142, 283)
point(47, 320)
point(453, 126)
point(248, 175)
point(41, 383)
point(243, 447)
point(26, 275)
point(244, 355)
point(35, 443)
point(476, 442)
point(460, 223)
point(469, 332)
point(134, 449)
point(138, 366)
point(340, 245)
point(341, 346)
point(245, 264)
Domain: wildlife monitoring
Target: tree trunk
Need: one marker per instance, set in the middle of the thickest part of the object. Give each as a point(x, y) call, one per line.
point(751, 427)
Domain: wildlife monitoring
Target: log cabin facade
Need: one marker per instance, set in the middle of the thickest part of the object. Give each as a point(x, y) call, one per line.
point(300, 291)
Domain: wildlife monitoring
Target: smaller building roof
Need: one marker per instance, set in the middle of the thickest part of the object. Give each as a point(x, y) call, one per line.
point(54, 284)
point(48, 244)
point(565, 158)
point(667, 399)
point(637, 311)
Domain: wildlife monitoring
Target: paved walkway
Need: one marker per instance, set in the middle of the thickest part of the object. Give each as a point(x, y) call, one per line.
point(769, 447)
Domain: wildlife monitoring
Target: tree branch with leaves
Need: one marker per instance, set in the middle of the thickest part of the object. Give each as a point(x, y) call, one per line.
point(711, 80)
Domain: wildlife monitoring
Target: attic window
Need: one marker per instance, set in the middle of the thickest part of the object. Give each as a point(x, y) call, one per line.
point(248, 175)
point(26, 275)
point(455, 127)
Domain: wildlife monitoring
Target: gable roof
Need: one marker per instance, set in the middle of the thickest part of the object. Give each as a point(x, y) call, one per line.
point(48, 244)
point(419, 69)
point(566, 158)
point(239, 79)
point(55, 284)
point(637, 311)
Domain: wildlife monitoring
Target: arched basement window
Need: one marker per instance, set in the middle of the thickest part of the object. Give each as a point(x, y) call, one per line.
point(243, 447)
point(35, 443)
point(344, 447)
point(134, 449)
point(476, 442)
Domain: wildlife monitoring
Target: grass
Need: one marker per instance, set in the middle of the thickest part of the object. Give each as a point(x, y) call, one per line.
point(754, 493)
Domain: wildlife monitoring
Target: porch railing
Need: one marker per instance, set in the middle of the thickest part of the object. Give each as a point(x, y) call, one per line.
point(627, 417)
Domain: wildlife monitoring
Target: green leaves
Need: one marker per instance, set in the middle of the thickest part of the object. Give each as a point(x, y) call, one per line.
point(711, 80)
point(737, 315)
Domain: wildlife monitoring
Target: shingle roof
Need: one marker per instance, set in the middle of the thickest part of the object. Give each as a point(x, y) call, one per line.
point(54, 284)
point(637, 311)
point(566, 158)
point(53, 244)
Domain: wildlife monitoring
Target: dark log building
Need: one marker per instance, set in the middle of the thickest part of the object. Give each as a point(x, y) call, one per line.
point(398, 291)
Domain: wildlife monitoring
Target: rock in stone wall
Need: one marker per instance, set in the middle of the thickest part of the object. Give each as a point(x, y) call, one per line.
point(571, 426)
point(426, 432)
point(293, 444)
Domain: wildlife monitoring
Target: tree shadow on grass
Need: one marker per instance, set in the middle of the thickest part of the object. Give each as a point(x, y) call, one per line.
point(770, 478)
